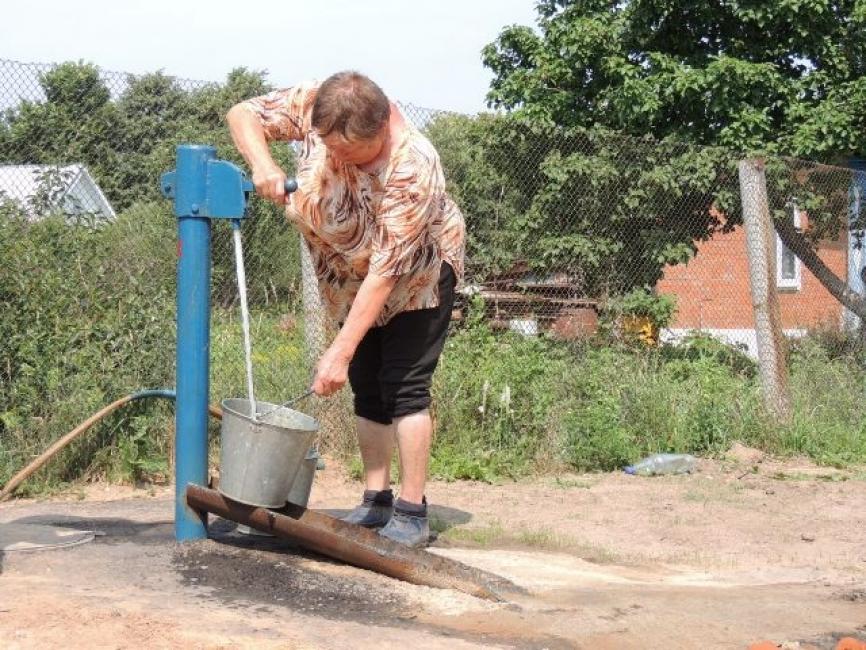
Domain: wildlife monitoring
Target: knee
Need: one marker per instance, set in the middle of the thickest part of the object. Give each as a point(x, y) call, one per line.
point(370, 407)
point(406, 398)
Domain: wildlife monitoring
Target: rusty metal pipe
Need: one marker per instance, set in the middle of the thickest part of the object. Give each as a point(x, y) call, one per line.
point(355, 545)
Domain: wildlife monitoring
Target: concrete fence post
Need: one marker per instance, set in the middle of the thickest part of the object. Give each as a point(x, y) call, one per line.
point(760, 247)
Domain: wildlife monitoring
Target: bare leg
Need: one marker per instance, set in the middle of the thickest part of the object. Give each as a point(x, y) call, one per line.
point(377, 446)
point(414, 433)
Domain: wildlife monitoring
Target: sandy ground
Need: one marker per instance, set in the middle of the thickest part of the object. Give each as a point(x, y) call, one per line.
point(739, 552)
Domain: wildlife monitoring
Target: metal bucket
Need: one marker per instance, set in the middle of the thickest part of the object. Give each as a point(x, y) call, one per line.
point(260, 460)
point(299, 494)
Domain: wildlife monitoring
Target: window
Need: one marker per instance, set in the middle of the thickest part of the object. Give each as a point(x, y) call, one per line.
point(788, 275)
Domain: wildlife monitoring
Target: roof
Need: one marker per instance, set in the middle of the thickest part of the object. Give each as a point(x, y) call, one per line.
point(69, 188)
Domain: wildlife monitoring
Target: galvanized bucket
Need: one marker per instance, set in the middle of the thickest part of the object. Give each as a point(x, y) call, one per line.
point(299, 494)
point(260, 460)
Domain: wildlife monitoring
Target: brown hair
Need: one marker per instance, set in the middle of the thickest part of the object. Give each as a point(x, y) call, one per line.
point(350, 104)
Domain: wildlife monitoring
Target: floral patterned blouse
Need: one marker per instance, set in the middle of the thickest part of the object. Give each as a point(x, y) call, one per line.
point(397, 221)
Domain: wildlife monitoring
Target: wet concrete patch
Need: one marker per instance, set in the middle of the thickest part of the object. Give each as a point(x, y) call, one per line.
point(110, 530)
point(16, 537)
point(244, 571)
point(239, 575)
point(268, 577)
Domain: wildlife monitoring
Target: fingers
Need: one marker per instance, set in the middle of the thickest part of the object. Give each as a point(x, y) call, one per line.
point(277, 192)
point(271, 184)
point(319, 388)
point(326, 388)
point(332, 373)
point(326, 384)
point(280, 189)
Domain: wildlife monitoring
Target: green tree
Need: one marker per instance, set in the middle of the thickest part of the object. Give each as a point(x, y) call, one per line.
point(77, 123)
point(783, 78)
point(153, 110)
point(472, 155)
point(271, 252)
point(127, 142)
point(212, 101)
point(575, 199)
point(157, 113)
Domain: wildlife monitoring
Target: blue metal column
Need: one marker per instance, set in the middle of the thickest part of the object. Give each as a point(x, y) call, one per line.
point(193, 334)
point(203, 188)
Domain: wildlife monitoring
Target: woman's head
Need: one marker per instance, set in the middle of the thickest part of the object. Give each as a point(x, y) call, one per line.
point(351, 114)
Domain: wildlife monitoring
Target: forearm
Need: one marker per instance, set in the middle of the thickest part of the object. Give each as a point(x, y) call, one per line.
point(368, 304)
point(249, 137)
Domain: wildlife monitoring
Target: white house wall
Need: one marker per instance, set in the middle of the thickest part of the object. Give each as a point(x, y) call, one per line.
point(745, 339)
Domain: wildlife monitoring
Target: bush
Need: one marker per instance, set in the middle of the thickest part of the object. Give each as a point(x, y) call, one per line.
point(644, 303)
point(492, 397)
point(827, 392)
point(272, 259)
point(833, 342)
point(280, 365)
point(87, 318)
point(506, 405)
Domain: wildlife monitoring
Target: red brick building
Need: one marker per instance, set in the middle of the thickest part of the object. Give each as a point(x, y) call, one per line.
point(713, 295)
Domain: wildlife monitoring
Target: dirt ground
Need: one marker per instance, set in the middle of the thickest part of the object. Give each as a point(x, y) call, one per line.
point(741, 551)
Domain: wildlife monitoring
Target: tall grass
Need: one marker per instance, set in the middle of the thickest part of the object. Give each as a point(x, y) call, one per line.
point(507, 405)
point(86, 317)
point(80, 330)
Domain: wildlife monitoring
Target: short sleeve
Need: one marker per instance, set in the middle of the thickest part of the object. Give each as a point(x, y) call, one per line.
point(411, 203)
point(285, 114)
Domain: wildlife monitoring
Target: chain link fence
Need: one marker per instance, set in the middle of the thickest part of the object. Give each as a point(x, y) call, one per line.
point(577, 238)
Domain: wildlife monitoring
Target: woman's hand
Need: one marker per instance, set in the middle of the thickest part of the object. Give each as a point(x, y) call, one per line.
point(249, 137)
point(270, 183)
point(332, 372)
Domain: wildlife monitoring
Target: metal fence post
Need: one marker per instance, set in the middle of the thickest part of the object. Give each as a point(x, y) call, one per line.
point(314, 325)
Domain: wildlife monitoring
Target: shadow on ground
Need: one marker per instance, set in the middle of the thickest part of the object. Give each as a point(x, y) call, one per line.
point(441, 518)
point(110, 530)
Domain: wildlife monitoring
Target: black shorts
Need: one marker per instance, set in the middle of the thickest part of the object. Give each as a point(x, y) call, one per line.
point(393, 366)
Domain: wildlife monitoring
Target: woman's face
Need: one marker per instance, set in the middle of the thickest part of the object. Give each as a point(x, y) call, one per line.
point(354, 152)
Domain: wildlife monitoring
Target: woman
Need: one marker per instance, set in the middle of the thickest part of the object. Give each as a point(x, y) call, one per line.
point(387, 243)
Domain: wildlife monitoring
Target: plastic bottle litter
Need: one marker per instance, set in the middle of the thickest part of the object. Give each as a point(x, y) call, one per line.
point(659, 464)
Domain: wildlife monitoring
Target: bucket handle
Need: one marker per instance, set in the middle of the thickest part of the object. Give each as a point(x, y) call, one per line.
point(307, 393)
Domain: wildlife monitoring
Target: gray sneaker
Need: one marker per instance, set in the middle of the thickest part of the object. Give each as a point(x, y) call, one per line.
point(375, 510)
point(408, 529)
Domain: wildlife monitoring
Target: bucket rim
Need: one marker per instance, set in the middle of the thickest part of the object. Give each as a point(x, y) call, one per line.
point(248, 502)
point(306, 423)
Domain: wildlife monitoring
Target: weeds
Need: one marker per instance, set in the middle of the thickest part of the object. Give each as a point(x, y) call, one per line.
point(80, 329)
point(505, 405)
